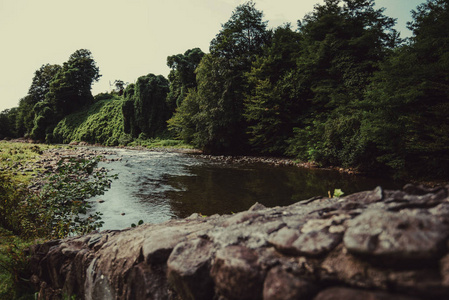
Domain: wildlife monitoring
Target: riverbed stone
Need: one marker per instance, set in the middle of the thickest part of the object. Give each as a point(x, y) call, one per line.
point(378, 244)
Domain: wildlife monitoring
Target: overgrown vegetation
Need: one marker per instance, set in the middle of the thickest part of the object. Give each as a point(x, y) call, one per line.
point(340, 89)
point(57, 210)
point(14, 268)
point(100, 123)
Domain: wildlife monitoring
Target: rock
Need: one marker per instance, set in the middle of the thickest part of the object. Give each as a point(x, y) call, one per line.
point(282, 285)
point(352, 294)
point(237, 273)
point(377, 244)
point(188, 269)
point(403, 236)
point(311, 243)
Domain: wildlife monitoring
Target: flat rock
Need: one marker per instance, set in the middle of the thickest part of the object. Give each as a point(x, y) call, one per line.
point(404, 235)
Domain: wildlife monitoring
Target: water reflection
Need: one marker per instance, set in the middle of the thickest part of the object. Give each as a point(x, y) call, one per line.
point(155, 187)
point(217, 188)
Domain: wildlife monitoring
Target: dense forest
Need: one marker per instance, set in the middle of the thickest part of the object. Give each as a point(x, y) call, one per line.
point(340, 89)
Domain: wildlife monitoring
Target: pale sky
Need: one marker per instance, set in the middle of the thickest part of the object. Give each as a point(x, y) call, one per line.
point(128, 39)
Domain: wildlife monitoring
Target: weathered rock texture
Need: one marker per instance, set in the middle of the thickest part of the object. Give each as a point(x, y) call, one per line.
point(370, 245)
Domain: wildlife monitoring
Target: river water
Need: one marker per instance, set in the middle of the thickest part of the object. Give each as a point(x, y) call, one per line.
point(159, 186)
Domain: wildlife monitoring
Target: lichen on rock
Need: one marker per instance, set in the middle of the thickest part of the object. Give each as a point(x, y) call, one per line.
point(375, 244)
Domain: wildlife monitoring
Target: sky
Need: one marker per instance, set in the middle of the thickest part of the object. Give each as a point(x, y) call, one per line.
point(128, 39)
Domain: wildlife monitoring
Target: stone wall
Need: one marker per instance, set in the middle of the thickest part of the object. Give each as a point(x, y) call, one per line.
point(370, 245)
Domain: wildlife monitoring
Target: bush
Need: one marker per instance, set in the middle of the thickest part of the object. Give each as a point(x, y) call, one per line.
point(64, 197)
point(59, 209)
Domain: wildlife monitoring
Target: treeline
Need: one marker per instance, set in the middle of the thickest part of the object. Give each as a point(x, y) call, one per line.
point(341, 89)
point(56, 91)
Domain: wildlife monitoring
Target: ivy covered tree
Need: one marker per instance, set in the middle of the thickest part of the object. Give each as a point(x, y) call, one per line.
point(145, 109)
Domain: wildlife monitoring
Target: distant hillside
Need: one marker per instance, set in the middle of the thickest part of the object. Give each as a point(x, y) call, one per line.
point(100, 123)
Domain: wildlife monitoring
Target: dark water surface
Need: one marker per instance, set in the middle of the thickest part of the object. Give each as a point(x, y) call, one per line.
point(158, 186)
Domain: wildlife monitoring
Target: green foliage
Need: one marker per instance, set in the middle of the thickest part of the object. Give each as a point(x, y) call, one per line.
point(151, 143)
point(214, 111)
point(146, 110)
point(182, 124)
point(12, 200)
point(182, 75)
point(342, 44)
point(14, 267)
point(241, 37)
point(64, 208)
point(7, 123)
point(341, 90)
point(407, 102)
point(270, 109)
point(43, 123)
point(59, 209)
point(103, 96)
point(101, 123)
point(138, 224)
point(59, 91)
point(338, 193)
point(70, 88)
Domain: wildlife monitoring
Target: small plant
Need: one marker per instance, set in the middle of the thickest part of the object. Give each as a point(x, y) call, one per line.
point(337, 193)
point(138, 224)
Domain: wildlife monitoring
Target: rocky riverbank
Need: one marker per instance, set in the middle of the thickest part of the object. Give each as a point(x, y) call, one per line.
point(49, 159)
point(377, 244)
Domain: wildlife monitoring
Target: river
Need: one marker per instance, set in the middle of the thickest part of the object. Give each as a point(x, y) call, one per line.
point(159, 186)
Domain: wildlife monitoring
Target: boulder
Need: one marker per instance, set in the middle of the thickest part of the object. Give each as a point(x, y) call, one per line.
point(377, 244)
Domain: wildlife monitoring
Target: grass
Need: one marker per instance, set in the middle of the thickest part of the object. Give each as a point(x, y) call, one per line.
point(13, 155)
point(160, 143)
point(13, 262)
point(54, 211)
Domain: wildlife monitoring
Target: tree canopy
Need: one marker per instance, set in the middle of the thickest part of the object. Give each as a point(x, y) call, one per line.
point(341, 89)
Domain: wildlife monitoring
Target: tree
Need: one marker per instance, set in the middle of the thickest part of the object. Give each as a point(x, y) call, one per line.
point(41, 81)
point(343, 43)
point(7, 123)
point(40, 86)
point(408, 100)
point(145, 110)
point(241, 37)
point(120, 86)
point(219, 123)
point(128, 109)
point(68, 91)
point(44, 121)
point(71, 88)
point(182, 75)
point(271, 109)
